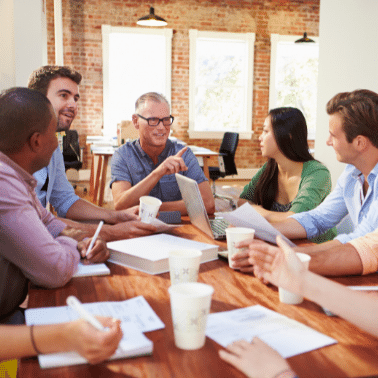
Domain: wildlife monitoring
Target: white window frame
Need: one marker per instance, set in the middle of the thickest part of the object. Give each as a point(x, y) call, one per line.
point(274, 40)
point(250, 39)
point(108, 127)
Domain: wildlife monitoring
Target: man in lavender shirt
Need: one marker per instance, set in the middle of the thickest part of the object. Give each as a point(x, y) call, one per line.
point(34, 245)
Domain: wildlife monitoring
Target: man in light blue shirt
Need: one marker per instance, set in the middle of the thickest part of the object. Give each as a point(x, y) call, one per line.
point(61, 87)
point(353, 129)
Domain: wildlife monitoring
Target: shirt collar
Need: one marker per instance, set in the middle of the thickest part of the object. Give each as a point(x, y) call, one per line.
point(357, 173)
point(25, 176)
point(164, 153)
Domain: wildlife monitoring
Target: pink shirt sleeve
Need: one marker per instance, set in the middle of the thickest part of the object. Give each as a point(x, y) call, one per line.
point(29, 236)
point(367, 248)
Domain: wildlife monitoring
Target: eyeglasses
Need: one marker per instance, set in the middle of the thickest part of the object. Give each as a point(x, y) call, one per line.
point(154, 121)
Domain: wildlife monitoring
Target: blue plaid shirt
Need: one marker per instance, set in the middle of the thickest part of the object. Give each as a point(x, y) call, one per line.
point(130, 163)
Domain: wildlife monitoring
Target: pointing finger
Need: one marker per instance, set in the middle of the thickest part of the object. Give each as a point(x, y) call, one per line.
point(181, 152)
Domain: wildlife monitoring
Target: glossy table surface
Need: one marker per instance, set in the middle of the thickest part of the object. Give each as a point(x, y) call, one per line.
point(355, 354)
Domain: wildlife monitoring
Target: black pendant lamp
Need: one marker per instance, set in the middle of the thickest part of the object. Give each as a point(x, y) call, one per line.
point(305, 39)
point(151, 19)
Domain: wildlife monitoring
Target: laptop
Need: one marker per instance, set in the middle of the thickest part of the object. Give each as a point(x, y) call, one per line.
point(215, 228)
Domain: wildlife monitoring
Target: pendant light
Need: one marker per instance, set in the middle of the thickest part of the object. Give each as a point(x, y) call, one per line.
point(305, 39)
point(151, 19)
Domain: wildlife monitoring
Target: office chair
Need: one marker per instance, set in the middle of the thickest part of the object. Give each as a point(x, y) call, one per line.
point(71, 150)
point(226, 160)
point(73, 158)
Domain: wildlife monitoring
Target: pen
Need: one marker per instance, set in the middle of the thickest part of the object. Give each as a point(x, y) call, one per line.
point(77, 306)
point(94, 237)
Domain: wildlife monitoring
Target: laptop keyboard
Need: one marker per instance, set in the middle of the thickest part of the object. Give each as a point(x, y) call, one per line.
point(218, 226)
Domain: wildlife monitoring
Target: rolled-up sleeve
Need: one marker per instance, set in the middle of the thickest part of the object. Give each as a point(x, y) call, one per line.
point(325, 216)
point(367, 248)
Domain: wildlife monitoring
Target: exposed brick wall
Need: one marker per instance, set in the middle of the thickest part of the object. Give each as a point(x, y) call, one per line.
point(82, 20)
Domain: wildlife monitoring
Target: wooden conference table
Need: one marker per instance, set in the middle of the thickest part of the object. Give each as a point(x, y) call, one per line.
point(98, 180)
point(355, 354)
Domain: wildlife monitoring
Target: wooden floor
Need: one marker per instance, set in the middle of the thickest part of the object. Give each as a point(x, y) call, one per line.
point(231, 188)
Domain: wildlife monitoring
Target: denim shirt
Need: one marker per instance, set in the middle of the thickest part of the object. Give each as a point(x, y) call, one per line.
point(130, 163)
point(60, 192)
point(346, 198)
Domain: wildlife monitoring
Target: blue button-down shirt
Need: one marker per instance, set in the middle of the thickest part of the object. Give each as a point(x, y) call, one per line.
point(130, 163)
point(60, 192)
point(346, 198)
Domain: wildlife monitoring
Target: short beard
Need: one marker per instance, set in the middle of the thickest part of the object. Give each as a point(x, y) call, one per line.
point(60, 128)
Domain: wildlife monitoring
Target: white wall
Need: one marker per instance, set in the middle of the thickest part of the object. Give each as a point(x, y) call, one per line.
point(348, 60)
point(23, 43)
point(7, 64)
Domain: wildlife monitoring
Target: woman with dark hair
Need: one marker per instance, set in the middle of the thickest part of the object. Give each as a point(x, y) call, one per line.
point(291, 181)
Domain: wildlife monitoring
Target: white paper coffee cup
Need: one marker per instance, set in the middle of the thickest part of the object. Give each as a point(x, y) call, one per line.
point(184, 265)
point(190, 305)
point(148, 208)
point(235, 235)
point(287, 296)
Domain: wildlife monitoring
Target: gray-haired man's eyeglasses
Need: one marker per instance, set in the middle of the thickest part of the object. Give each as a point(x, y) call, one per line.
point(154, 121)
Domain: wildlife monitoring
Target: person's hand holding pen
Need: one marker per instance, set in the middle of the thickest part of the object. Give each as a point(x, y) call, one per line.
point(94, 249)
point(95, 338)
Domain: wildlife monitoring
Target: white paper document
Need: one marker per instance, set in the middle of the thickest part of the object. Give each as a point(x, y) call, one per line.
point(133, 344)
point(136, 317)
point(247, 216)
point(85, 270)
point(134, 313)
point(287, 336)
point(162, 226)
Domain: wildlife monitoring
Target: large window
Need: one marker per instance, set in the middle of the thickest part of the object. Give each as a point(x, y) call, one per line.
point(135, 61)
point(221, 81)
point(294, 76)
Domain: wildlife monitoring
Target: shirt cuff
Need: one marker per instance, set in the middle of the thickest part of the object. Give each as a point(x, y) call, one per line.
point(62, 211)
point(343, 238)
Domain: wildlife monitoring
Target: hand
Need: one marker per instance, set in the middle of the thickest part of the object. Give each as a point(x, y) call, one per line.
point(279, 265)
point(127, 230)
point(241, 260)
point(98, 253)
point(129, 214)
point(96, 346)
point(255, 359)
point(173, 164)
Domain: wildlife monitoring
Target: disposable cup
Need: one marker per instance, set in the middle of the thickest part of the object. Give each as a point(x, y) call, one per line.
point(190, 305)
point(235, 235)
point(184, 265)
point(287, 296)
point(148, 208)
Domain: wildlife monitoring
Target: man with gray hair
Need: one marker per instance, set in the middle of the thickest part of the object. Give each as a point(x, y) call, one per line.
point(147, 166)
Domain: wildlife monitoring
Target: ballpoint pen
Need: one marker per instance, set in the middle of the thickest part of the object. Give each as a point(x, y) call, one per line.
point(94, 237)
point(77, 306)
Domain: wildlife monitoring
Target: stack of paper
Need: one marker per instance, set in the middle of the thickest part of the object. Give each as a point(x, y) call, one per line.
point(85, 270)
point(150, 253)
point(136, 317)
